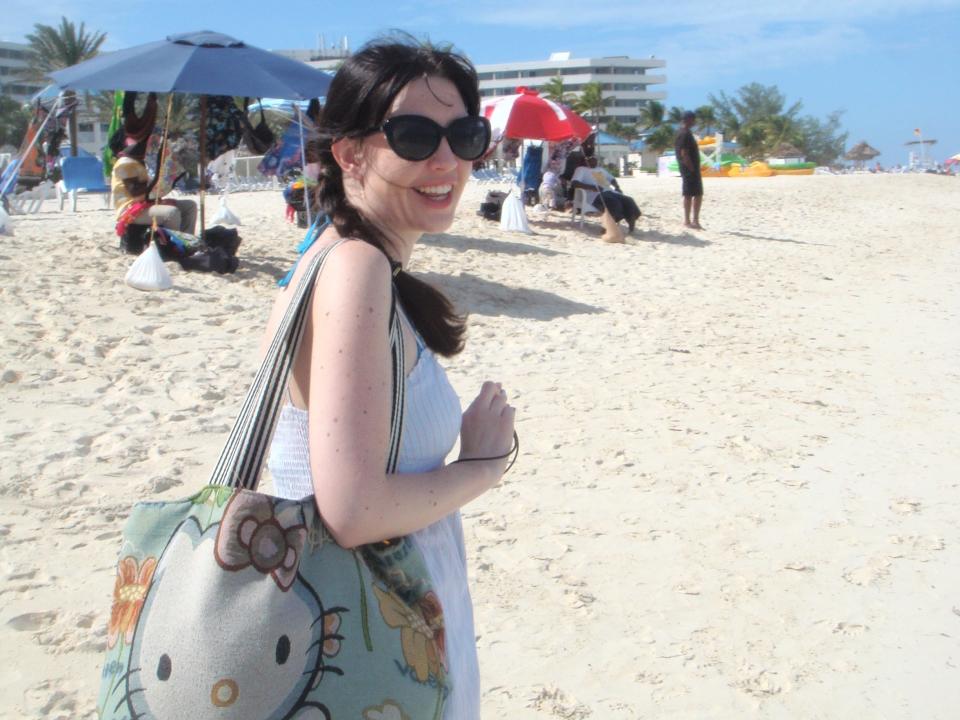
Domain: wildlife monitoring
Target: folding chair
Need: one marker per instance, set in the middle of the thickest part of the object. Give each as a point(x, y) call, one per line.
point(27, 202)
point(580, 205)
point(82, 173)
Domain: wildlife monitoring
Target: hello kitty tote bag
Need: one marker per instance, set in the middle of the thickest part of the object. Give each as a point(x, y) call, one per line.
point(235, 604)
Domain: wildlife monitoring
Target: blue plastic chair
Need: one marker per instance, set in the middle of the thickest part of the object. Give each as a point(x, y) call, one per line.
point(82, 173)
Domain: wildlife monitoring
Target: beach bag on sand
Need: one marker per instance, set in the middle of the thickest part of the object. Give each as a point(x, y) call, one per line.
point(513, 217)
point(235, 604)
point(148, 271)
point(491, 205)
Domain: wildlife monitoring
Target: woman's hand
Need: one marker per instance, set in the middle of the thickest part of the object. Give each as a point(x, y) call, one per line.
point(487, 428)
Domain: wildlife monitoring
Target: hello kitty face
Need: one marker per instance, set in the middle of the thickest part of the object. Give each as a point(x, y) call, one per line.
point(201, 649)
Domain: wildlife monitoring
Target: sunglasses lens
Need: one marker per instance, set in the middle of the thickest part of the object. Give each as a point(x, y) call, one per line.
point(469, 137)
point(413, 137)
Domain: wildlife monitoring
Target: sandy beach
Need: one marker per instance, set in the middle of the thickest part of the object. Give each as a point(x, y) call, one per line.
point(738, 488)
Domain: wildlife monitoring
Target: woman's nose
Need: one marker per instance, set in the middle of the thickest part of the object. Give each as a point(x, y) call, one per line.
point(444, 158)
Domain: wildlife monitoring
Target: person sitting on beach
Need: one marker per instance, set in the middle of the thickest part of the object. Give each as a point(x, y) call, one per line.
point(615, 206)
point(551, 191)
point(573, 161)
point(130, 182)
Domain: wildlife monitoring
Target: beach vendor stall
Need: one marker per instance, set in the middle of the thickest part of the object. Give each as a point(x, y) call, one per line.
point(528, 116)
point(201, 63)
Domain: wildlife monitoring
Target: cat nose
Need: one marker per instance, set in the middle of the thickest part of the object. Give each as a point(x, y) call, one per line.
point(224, 692)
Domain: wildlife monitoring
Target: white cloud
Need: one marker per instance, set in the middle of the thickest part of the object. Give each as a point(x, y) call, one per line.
point(698, 56)
point(703, 40)
point(695, 13)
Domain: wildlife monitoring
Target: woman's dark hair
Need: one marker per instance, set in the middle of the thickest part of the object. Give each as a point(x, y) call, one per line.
point(359, 98)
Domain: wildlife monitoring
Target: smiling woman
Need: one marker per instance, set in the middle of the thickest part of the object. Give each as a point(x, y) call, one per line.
point(396, 142)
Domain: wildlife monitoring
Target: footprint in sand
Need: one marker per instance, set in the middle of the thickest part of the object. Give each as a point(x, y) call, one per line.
point(917, 547)
point(559, 704)
point(46, 701)
point(9, 377)
point(870, 574)
point(905, 506)
point(843, 628)
point(31, 622)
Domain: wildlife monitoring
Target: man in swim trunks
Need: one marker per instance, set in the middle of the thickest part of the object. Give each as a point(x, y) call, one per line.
point(688, 158)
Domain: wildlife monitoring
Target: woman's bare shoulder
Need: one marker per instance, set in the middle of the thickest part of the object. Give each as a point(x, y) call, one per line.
point(351, 261)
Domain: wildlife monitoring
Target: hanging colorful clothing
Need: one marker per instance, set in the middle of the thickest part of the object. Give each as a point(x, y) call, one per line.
point(224, 129)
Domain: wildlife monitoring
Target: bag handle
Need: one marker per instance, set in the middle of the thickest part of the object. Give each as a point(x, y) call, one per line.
point(242, 458)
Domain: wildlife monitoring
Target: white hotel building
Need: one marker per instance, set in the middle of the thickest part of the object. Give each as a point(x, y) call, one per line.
point(626, 80)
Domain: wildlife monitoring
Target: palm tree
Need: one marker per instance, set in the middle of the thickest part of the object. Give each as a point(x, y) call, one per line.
point(779, 129)
point(617, 128)
point(706, 119)
point(553, 90)
point(660, 139)
point(591, 101)
point(14, 119)
point(56, 48)
point(652, 115)
point(675, 116)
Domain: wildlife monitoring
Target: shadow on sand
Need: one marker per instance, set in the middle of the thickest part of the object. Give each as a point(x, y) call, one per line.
point(659, 237)
point(775, 239)
point(592, 229)
point(462, 243)
point(480, 296)
point(275, 267)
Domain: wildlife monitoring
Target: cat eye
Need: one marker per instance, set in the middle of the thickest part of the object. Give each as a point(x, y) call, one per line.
point(164, 668)
point(283, 649)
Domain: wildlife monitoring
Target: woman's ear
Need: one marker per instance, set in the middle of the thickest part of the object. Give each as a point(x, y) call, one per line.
point(348, 154)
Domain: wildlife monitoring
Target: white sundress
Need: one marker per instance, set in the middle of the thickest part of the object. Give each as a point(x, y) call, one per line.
point(431, 424)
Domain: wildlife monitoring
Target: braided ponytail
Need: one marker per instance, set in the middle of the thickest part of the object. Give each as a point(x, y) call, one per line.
point(359, 97)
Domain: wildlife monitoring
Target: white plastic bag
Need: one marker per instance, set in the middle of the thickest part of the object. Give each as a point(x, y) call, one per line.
point(512, 215)
point(224, 215)
point(148, 271)
point(6, 224)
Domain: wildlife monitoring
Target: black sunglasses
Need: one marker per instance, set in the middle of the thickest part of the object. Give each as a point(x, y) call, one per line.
point(415, 137)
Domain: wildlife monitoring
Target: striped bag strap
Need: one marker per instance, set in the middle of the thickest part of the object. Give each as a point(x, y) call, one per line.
point(243, 456)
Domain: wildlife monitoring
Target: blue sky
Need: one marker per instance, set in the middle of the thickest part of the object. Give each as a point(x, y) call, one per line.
point(892, 65)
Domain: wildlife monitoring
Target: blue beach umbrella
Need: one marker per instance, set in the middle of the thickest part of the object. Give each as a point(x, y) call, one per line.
point(201, 63)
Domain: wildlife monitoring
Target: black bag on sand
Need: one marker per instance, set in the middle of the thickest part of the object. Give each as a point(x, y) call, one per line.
point(227, 239)
point(491, 206)
point(135, 239)
point(213, 259)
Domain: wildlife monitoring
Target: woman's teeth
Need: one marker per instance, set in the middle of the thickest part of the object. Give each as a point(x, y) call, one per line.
point(435, 190)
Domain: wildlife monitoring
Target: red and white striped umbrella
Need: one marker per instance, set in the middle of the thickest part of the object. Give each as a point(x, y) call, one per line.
point(528, 116)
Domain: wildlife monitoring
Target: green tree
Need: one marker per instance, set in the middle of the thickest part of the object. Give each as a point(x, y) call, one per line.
point(553, 90)
point(779, 129)
point(822, 140)
point(591, 101)
point(675, 116)
point(753, 103)
point(706, 119)
point(661, 138)
point(615, 127)
point(759, 117)
point(56, 48)
point(14, 119)
point(652, 115)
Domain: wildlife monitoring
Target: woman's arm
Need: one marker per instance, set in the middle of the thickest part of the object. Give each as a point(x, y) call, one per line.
point(349, 405)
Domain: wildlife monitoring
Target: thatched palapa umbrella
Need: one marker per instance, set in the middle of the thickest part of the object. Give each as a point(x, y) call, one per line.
point(861, 152)
point(786, 150)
